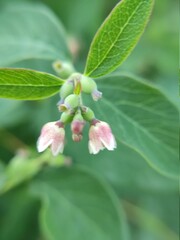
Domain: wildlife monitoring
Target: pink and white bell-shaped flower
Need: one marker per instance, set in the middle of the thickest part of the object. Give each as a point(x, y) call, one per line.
point(100, 137)
point(52, 135)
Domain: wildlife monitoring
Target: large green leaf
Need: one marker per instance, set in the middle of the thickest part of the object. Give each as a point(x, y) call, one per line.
point(117, 36)
point(77, 205)
point(124, 169)
point(19, 215)
point(142, 118)
point(133, 179)
point(27, 84)
point(30, 31)
point(1, 167)
point(151, 226)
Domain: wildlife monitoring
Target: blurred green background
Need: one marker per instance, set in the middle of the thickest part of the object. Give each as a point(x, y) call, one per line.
point(149, 199)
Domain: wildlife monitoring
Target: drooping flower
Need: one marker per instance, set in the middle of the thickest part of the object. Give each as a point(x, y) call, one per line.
point(52, 135)
point(77, 126)
point(100, 137)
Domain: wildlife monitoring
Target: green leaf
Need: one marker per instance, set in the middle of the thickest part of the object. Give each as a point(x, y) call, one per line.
point(25, 84)
point(1, 166)
point(19, 215)
point(78, 205)
point(150, 223)
point(128, 164)
point(142, 118)
point(117, 36)
point(30, 31)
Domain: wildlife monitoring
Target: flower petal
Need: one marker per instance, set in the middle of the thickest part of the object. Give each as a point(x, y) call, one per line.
point(42, 143)
point(56, 149)
point(95, 144)
point(106, 136)
point(51, 134)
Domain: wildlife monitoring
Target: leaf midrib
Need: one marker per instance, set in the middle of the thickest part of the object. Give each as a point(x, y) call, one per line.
point(74, 206)
point(112, 45)
point(34, 86)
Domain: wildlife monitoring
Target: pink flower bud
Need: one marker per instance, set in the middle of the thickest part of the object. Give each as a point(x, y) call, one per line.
point(77, 126)
point(100, 137)
point(52, 135)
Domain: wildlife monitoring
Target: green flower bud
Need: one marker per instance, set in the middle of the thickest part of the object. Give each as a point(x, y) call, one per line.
point(66, 89)
point(66, 117)
point(87, 114)
point(63, 69)
point(70, 103)
point(88, 84)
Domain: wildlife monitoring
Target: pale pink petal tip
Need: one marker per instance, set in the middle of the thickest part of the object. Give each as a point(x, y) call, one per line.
point(51, 135)
point(100, 137)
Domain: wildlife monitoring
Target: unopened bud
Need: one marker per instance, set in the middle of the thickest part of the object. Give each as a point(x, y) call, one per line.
point(66, 89)
point(66, 117)
point(88, 84)
point(87, 114)
point(63, 69)
point(77, 124)
point(71, 102)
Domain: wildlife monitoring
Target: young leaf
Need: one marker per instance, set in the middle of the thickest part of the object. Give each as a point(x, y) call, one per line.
point(24, 84)
point(117, 36)
point(78, 205)
point(142, 118)
point(30, 31)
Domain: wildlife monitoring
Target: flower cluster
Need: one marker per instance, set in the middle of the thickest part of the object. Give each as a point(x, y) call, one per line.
point(74, 112)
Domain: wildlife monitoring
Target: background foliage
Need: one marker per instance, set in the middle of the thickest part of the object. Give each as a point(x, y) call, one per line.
point(114, 195)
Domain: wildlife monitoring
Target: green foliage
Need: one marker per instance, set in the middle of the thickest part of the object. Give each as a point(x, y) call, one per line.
point(117, 36)
point(20, 169)
point(143, 119)
point(31, 32)
point(27, 84)
point(78, 197)
point(94, 198)
point(18, 218)
point(150, 223)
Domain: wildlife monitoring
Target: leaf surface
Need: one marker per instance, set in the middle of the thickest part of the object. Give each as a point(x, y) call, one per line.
point(25, 84)
point(77, 205)
point(117, 36)
point(30, 31)
point(142, 118)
